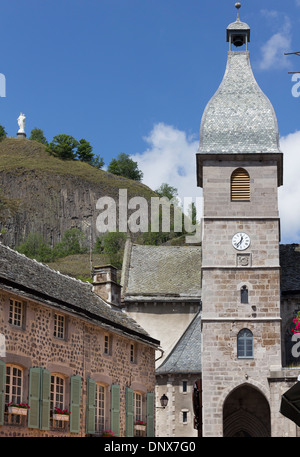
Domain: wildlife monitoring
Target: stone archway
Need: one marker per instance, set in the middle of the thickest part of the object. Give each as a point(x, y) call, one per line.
point(246, 412)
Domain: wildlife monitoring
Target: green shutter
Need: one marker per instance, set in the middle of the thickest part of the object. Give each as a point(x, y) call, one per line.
point(75, 404)
point(45, 400)
point(90, 406)
point(2, 391)
point(150, 414)
point(115, 409)
point(34, 397)
point(129, 412)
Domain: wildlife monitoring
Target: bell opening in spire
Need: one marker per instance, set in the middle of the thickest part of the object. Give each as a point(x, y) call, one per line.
point(238, 33)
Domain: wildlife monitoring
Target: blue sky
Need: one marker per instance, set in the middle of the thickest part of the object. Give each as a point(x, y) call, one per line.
point(134, 76)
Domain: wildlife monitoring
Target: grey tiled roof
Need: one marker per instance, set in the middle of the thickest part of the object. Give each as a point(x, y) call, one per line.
point(37, 281)
point(239, 118)
point(164, 271)
point(290, 267)
point(186, 355)
point(238, 25)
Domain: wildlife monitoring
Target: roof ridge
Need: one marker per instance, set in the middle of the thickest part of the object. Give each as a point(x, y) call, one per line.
point(42, 264)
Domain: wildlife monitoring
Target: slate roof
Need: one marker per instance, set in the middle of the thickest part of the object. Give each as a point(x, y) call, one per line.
point(290, 268)
point(186, 355)
point(239, 118)
point(164, 271)
point(37, 281)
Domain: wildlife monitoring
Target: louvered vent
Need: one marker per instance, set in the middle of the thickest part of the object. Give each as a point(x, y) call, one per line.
point(240, 186)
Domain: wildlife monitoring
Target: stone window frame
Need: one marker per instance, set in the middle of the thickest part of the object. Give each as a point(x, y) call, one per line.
point(185, 416)
point(64, 403)
point(240, 187)
point(107, 344)
point(242, 337)
point(133, 353)
point(139, 409)
point(239, 287)
point(60, 331)
point(138, 406)
point(14, 317)
point(244, 291)
point(101, 408)
point(106, 382)
point(184, 386)
point(13, 419)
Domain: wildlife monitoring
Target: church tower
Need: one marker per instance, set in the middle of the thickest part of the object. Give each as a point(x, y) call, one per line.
point(239, 167)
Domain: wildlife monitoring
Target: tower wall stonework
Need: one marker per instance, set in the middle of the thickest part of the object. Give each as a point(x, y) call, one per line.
point(225, 271)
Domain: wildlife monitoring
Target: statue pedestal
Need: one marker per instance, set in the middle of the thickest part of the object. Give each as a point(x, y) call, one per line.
point(21, 135)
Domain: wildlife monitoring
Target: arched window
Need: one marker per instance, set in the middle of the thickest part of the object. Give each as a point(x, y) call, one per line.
point(244, 294)
point(240, 186)
point(245, 344)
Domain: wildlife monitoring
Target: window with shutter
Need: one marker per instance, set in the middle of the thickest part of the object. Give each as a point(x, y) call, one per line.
point(45, 400)
point(240, 185)
point(90, 407)
point(75, 404)
point(115, 409)
point(34, 397)
point(2, 391)
point(129, 412)
point(102, 420)
point(150, 414)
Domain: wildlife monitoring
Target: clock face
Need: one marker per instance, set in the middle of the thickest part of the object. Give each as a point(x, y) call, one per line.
point(241, 241)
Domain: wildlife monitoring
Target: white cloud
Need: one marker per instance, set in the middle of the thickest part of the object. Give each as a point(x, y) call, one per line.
point(170, 158)
point(279, 43)
point(289, 193)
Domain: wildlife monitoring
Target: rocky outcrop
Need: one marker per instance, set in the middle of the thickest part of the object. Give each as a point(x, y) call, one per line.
point(54, 195)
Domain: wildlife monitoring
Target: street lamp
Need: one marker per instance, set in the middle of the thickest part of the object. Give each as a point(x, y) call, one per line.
point(163, 401)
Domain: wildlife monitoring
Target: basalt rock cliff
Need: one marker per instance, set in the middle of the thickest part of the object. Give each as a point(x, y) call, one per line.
point(42, 194)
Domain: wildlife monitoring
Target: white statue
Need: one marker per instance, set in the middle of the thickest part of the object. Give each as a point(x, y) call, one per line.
point(21, 122)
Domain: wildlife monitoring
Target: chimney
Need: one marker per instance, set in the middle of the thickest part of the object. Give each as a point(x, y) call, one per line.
point(105, 284)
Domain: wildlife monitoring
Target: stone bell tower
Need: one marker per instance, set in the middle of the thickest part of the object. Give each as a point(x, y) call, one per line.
point(239, 167)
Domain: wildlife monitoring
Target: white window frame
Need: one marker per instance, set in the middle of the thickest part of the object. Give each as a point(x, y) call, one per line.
point(14, 390)
point(100, 410)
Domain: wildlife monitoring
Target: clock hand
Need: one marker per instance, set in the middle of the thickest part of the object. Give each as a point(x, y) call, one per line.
point(240, 241)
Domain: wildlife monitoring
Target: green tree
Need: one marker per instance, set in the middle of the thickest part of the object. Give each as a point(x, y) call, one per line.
point(97, 162)
point(3, 133)
point(125, 166)
point(112, 244)
point(38, 135)
point(63, 146)
point(85, 154)
point(165, 190)
point(35, 247)
point(84, 151)
point(73, 242)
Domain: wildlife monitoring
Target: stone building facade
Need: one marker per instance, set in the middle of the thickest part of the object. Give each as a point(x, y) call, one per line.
point(62, 346)
point(161, 290)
